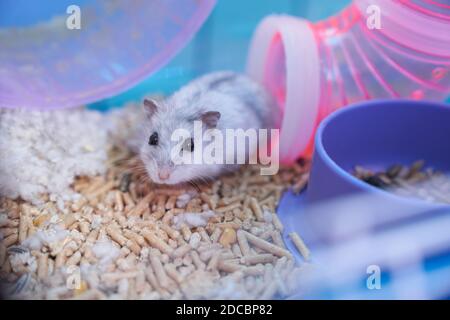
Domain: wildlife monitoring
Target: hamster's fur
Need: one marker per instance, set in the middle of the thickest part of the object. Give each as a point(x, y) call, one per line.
point(224, 100)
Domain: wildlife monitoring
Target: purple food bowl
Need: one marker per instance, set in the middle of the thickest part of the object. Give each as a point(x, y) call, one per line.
point(336, 205)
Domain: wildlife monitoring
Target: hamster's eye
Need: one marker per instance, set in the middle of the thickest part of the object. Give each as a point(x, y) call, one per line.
point(153, 140)
point(188, 145)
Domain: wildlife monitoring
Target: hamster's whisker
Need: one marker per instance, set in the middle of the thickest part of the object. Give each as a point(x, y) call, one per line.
point(194, 184)
point(144, 179)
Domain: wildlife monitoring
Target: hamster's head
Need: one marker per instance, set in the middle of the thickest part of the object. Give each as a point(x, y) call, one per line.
point(168, 142)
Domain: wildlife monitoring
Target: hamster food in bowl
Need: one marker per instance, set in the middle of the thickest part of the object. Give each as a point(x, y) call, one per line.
point(375, 135)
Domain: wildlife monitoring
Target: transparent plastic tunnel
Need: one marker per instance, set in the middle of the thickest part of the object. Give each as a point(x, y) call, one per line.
point(46, 65)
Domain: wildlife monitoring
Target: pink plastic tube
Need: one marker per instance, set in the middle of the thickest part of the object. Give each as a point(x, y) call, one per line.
point(314, 69)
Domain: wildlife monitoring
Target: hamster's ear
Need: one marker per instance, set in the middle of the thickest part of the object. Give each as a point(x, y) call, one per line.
point(150, 107)
point(210, 118)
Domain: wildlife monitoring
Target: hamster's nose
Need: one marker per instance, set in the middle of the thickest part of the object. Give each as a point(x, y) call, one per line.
point(164, 174)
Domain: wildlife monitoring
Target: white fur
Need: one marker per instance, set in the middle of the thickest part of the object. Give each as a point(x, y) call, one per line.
point(241, 102)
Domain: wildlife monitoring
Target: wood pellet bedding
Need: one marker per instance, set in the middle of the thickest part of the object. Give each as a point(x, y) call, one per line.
point(128, 239)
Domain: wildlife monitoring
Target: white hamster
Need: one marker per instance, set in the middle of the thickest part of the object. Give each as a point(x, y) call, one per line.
point(221, 100)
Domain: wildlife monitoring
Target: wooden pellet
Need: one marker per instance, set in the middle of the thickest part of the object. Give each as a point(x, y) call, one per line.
point(74, 226)
point(197, 261)
point(2, 253)
point(214, 261)
point(236, 250)
point(92, 237)
point(243, 243)
point(176, 211)
point(102, 190)
point(91, 294)
point(133, 246)
point(269, 201)
point(228, 237)
point(172, 272)
point(177, 262)
point(156, 242)
point(167, 217)
point(237, 198)
point(161, 202)
point(265, 245)
point(181, 251)
point(206, 255)
point(229, 267)
point(227, 208)
point(173, 243)
point(74, 259)
point(186, 232)
point(170, 191)
point(150, 276)
point(216, 234)
point(208, 247)
point(119, 201)
point(24, 224)
point(40, 220)
point(12, 239)
point(141, 206)
point(84, 227)
point(8, 231)
point(129, 202)
point(277, 223)
point(266, 234)
point(277, 239)
point(50, 266)
point(116, 235)
point(42, 271)
point(187, 260)
point(94, 184)
point(158, 214)
point(193, 206)
point(259, 258)
point(256, 209)
point(174, 234)
point(60, 258)
point(140, 280)
point(133, 192)
point(300, 245)
point(68, 220)
point(116, 276)
point(204, 235)
point(160, 273)
point(258, 179)
point(232, 224)
point(140, 240)
point(226, 255)
point(246, 204)
point(257, 270)
point(270, 291)
point(170, 204)
point(161, 234)
point(208, 200)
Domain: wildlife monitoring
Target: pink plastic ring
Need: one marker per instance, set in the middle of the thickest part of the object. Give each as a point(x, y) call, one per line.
point(300, 68)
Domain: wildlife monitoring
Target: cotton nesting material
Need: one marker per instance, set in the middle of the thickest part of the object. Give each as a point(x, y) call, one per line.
point(42, 152)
